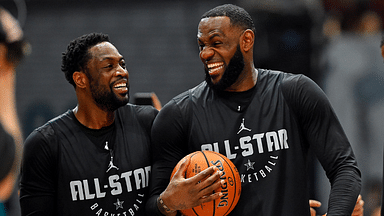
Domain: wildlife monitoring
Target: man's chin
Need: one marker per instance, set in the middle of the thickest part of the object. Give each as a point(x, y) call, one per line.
point(219, 85)
point(116, 105)
point(121, 99)
point(123, 102)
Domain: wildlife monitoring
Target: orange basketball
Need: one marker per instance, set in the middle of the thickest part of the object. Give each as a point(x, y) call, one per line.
point(231, 190)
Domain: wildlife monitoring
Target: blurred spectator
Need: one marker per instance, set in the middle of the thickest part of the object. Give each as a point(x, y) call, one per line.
point(12, 50)
point(354, 84)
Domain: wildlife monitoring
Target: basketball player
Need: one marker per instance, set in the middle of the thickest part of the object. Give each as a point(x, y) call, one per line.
point(95, 158)
point(12, 43)
point(265, 121)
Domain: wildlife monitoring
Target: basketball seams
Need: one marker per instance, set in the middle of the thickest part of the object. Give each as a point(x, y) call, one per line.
point(235, 183)
point(205, 157)
point(214, 201)
point(190, 157)
point(193, 209)
point(197, 164)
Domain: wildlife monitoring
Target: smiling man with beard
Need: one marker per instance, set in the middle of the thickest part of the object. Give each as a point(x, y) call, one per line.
point(230, 75)
point(264, 121)
point(95, 158)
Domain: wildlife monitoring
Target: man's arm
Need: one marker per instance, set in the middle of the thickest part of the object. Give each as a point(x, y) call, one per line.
point(328, 141)
point(37, 184)
point(169, 147)
point(357, 211)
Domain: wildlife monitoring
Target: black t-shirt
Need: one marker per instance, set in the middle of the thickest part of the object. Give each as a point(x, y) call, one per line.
point(267, 134)
point(7, 153)
point(67, 171)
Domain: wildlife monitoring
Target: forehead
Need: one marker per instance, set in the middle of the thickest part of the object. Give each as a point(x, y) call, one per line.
point(104, 50)
point(213, 25)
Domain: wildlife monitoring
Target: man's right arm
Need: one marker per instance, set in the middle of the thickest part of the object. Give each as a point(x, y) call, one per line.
point(169, 146)
point(167, 131)
point(37, 184)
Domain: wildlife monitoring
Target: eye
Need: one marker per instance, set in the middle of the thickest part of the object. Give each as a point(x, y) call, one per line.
point(123, 65)
point(216, 43)
point(201, 46)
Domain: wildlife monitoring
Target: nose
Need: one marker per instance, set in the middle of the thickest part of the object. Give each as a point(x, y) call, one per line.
point(122, 71)
point(206, 53)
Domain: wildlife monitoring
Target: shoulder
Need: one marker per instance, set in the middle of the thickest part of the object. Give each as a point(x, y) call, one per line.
point(45, 136)
point(303, 94)
point(142, 112)
point(282, 78)
point(290, 84)
point(298, 90)
point(175, 111)
point(46, 131)
point(297, 80)
point(184, 99)
point(301, 86)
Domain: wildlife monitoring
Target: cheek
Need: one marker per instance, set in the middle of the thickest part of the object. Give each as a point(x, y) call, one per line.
point(228, 53)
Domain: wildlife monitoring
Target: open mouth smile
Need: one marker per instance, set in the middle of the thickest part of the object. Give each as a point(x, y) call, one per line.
point(214, 68)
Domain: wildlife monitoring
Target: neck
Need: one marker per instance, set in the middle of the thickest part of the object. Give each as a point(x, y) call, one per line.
point(246, 80)
point(92, 116)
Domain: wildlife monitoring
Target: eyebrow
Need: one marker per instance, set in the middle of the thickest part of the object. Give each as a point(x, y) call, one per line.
point(214, 35)
point(111, 58)
point(211, 36)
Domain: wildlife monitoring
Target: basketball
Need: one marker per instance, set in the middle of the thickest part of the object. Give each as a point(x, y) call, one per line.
point(231, 189)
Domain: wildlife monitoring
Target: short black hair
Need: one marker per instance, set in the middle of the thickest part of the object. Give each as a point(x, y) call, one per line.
point(77, 56)
point(237, 15)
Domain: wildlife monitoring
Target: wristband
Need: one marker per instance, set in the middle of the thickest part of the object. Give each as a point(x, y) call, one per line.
point(161, 202)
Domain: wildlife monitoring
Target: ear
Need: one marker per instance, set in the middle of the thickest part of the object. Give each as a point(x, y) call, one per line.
point(80, 79)
point(247, 40)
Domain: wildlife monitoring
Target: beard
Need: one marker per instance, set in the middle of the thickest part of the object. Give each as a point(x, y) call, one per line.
point(105, 98)
point(231, 73)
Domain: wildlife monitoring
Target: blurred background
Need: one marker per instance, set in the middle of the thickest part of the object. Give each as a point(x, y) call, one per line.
point(334, 42)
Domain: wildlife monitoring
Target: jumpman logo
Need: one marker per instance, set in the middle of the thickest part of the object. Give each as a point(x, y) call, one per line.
point(242, 127)
point(110, 165)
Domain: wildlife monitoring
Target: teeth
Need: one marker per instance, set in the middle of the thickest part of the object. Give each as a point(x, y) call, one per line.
point(214, 65)
point(216, 69)
point(120, 85)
